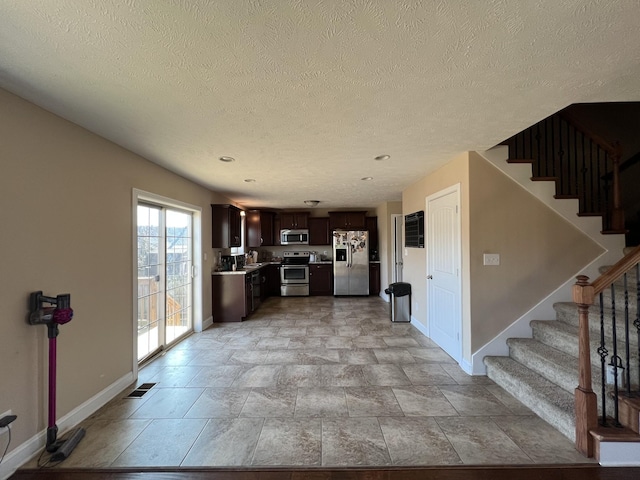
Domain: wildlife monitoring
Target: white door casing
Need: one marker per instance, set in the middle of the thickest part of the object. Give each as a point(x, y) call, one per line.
point(444, 299)
point(398, 223)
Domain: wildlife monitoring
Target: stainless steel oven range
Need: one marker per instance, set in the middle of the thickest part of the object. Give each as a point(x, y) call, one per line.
point(294, 274)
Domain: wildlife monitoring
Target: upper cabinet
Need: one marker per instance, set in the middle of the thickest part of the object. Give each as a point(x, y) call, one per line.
point(225, 226)
point(294, 220)
point(259, 228)
point(372, 226)
point(347, 220)
point(319, 231)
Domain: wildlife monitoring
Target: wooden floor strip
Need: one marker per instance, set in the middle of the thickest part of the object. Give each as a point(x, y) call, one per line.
point(555, 472)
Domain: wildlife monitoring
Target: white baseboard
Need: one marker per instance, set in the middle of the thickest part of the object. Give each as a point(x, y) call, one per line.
point(33, 446)
point(421, 328)
point(619, 454)
point(207, 323)
point(468, 368)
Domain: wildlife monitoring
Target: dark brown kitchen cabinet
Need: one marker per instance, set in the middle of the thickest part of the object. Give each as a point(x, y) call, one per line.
point(225, 226)
point(372, 226)
point(320, 280)
point(347, 220)
point(319, 232)
point(374, 279)
point(291, 220)
point(259, 228)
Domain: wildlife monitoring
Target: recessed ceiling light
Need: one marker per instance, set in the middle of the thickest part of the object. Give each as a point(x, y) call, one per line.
point(366, 179)
point(312, 203)
point(250, 180)
point(382, 157)
point(227, 159)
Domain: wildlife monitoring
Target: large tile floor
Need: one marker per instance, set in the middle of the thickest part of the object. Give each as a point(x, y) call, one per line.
point(315, 381)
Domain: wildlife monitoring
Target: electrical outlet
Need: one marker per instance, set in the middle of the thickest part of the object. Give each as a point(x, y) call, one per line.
point(491, 259)
point(5, 429)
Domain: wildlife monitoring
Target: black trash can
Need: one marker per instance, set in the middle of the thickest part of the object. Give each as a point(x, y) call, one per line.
point(400, 301)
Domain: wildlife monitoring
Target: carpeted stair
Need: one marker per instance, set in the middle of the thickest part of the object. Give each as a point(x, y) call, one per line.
point(542, 372)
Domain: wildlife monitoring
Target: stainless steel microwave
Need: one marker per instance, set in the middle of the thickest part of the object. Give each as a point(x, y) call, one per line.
point(294, 237)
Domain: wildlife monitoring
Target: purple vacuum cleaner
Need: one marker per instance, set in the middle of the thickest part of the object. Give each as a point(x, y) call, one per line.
point(58, 313)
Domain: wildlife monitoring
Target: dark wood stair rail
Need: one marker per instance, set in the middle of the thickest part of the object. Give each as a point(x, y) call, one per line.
point(615, 153)
point(584, 294)
point(581, 162)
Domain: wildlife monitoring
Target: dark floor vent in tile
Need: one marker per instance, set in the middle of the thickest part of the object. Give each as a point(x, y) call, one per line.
point(141, 390)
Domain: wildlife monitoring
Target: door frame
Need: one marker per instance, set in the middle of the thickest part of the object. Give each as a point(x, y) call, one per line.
point(396, 247)
point(457, 356)
point(196, 211)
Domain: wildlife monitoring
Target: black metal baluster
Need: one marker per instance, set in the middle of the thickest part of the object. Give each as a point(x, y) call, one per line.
point(637, 320)
point(552, 146)
point(603, 352)
point(626, 336)
point(615, 359)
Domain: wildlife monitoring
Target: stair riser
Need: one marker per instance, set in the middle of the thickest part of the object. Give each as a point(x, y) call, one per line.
point(563, 421)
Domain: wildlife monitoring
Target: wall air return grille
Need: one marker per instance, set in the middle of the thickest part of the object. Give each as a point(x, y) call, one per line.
point(414, 230)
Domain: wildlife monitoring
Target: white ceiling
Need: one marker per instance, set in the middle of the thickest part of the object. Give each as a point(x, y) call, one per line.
point(304, 94)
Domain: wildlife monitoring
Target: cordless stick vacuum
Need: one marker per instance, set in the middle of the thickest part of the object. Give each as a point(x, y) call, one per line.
point(52, 316)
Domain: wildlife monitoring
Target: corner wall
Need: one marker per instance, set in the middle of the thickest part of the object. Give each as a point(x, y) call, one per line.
point(66, 218)
point(385, 242)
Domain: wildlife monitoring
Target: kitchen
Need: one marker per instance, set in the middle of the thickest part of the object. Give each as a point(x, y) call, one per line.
point(302, 253)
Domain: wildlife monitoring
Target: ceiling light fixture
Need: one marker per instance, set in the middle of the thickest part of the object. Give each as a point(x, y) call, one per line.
point(382, 157)
point(227, 159)
point(250, 180)
point(366, 179)
point(312, 203)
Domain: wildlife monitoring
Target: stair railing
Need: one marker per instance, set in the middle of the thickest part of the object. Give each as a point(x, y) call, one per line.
point(619, 366)
point(583, 164)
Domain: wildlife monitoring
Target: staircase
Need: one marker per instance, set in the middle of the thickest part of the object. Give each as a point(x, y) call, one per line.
point(548, 372)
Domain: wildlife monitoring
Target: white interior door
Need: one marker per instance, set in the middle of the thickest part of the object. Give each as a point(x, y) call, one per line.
point(443, 270)
point(398, 222)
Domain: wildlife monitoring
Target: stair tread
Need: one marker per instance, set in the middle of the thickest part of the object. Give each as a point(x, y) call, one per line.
point(549, 401)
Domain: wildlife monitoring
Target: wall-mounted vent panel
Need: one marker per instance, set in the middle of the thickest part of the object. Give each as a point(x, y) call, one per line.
point(414, 230)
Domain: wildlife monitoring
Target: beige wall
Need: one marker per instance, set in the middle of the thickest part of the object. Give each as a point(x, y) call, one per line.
point(414, 272)
point(66, 219)
point(539, 250)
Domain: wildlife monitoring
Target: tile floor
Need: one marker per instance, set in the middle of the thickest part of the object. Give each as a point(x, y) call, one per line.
point(315, 381)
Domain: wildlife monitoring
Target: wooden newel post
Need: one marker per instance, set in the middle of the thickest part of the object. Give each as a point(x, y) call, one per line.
point(586, 401)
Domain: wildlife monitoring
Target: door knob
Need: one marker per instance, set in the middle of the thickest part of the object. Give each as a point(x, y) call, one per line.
point(429, 277)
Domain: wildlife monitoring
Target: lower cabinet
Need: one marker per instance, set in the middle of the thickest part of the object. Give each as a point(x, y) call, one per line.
point(320, 280)
point(374, 279)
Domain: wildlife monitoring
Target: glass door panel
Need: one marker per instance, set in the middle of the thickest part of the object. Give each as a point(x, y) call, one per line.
point(165, 282)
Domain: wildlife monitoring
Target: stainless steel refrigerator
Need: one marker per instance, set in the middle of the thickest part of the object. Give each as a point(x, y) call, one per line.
point(350, 262)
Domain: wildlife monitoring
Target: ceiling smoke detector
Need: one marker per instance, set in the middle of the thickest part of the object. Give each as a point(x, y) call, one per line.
point(312, 203)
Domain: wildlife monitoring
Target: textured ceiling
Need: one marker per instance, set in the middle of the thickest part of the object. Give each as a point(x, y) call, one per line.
point(304, 94)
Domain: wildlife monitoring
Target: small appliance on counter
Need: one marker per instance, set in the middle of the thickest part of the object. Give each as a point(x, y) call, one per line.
point(231, 263)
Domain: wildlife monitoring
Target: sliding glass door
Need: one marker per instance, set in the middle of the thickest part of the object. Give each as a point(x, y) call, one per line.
point(165, 277)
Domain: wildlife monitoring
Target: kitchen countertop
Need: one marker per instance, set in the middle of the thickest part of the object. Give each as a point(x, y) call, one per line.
point(247, 269)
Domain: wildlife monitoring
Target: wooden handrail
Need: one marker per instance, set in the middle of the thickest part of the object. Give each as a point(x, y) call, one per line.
point(584, 294)
point(615, 272)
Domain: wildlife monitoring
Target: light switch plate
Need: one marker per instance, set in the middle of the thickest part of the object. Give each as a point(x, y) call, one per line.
point(491, 259)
